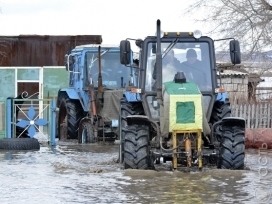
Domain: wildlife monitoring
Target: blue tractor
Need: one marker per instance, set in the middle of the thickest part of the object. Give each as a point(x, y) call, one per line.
point(183, 112)
point(89, 107)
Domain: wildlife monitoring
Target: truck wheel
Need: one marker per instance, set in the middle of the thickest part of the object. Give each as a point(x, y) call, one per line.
point(70, 113)
point(19, 144)
point(136, 155)
point(232, 148)
point(87, 134)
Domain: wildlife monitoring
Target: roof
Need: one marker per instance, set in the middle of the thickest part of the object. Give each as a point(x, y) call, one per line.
point(97, 45)
point(233, 72)
point(40, 50)
point(254, 78)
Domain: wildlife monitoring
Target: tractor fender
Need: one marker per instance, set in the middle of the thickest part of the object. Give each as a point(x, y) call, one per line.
point(137, 119)
point(71, 93)
point(228, 121)
point(237, 121)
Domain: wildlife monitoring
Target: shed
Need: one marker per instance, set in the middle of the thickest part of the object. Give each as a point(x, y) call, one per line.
point(239, 83)
point(40, 50)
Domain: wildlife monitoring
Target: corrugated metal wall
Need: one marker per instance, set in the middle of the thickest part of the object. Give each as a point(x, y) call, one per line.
point(40, 50)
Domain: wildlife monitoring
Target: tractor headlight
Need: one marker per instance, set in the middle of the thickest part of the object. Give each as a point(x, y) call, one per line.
point(197, 34)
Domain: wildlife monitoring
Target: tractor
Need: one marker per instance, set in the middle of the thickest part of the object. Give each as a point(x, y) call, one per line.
point(182, 114)
point(88, 109)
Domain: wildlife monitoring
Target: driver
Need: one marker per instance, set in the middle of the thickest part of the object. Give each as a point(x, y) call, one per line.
point(193, 69)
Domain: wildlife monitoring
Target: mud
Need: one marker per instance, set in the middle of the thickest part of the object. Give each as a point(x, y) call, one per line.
point(72, 173)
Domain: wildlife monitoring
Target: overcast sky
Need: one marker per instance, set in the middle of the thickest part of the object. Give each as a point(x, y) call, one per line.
point(113, 19)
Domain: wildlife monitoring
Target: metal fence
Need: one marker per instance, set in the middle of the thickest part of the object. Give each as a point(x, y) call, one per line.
point(2, 119)
point(34, 117)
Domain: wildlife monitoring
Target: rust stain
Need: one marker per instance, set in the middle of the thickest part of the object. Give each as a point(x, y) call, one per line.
point(40, 50)
point(259, 138)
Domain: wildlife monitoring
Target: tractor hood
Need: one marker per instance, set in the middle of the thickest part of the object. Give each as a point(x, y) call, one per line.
point(182, 109)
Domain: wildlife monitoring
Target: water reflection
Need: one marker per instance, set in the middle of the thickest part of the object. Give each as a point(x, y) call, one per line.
point(90, 174)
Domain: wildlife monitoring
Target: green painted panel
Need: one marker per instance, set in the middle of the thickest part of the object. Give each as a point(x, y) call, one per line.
point(7, 83)
point(28, 74)
point(53, 80)
point(185, 112)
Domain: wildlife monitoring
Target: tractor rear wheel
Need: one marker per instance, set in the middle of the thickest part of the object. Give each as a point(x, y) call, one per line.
point(232, 148)
point(136, 154)
point(70, 113)
point(221, 109)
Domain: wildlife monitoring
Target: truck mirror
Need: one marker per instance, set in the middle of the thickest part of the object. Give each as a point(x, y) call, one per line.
point(235, 54)
point(125, 52)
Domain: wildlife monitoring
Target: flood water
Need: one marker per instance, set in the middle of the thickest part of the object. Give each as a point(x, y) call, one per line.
point(72, 173)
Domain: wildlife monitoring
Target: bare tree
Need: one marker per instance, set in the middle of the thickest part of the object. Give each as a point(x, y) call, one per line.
point(247, 20)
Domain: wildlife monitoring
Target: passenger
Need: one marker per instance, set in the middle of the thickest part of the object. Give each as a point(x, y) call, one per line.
point(170, 66)
point(170, 59)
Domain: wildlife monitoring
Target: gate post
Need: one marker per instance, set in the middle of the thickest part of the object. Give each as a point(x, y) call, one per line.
point(8, 119)
point(53, 123)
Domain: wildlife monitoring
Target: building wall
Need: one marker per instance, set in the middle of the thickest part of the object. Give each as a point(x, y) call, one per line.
point(236, 86)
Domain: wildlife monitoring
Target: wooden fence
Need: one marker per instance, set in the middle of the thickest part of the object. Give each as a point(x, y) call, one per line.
point(256, 115)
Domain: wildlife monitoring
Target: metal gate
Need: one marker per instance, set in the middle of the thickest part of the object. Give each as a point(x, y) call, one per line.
point(33, 118)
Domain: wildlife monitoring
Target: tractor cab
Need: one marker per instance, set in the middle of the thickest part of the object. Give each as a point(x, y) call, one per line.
point(114, 75)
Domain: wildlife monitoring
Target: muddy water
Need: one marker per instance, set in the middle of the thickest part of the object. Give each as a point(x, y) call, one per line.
point(71, 173)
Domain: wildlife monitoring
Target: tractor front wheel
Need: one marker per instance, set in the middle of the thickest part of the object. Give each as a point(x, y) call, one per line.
point(87, 133)
point(232, 148)
point(70, 114)
point(136, 154)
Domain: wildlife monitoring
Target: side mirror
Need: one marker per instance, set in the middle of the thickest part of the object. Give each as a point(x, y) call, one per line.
point(139, 43)
point(69, 61)
point(125, 52)
point(235, 54)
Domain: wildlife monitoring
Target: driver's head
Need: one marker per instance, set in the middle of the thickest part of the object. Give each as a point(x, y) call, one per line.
point(191, 56)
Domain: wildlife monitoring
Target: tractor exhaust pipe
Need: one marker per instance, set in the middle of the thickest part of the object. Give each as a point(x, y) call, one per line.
point(159, 63)
point(100, 85)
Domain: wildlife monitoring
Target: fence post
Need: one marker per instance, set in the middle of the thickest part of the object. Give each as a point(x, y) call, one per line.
point(53, 123)
point(8, 119)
